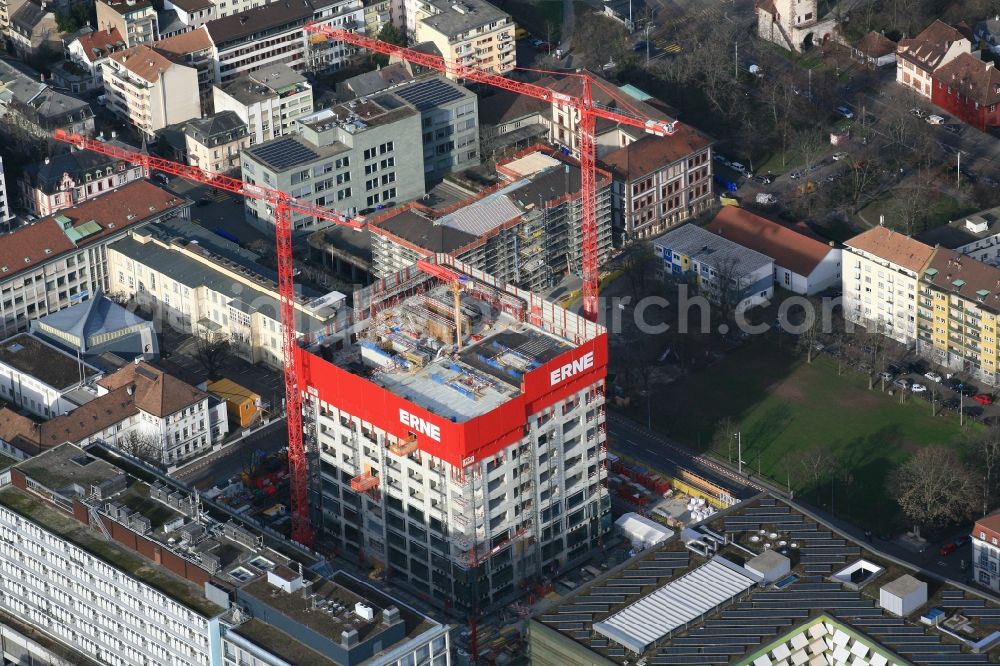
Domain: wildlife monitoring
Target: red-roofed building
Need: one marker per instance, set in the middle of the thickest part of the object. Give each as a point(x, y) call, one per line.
point(660, 182)
point(91, 50)
point(61, 260)
point(969, 88)
point(986, 551)
point(919, 57)
point(803, 263)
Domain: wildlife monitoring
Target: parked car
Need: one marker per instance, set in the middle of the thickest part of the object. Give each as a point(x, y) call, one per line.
point(766, 179)
point(886, 376)
point(983, 398)
point(918, 388)
point(967, 390)
point(766, 198)
point(951, 404)
point(902, 383)
point(948, 549)
point(721, 160)
point(919, 113)
point(933, 376)
point(839, 156)
point(795, 175)
point(535, 42)
point(844, 111)
point(953, 129)
point(737, 166)
point(935, 119)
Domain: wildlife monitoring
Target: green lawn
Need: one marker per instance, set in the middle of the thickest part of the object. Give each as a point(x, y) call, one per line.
point(784, 406)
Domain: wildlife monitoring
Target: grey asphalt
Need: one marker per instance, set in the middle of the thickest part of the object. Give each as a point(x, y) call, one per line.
point(221, 465)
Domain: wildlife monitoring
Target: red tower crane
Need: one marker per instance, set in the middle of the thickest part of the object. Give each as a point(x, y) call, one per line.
point(589, 111)
point(283, 205)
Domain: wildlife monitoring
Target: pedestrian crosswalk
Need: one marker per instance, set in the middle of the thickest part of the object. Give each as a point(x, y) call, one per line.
point(669, 47)
point(218, 196)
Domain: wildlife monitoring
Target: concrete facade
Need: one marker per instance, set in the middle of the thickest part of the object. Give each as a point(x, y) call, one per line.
point(268, 100)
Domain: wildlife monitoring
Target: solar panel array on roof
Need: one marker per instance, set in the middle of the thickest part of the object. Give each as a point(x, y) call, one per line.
point(284, 153)
point(428, 94)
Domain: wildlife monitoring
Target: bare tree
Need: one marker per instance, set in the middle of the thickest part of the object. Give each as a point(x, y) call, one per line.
point(811, 144)
point(635, 264)
point(815, 464)
point(142, 446)
point(985, 456)
point(211, 352)
point(934, 488)
point(863, 175)
point(809, 338)
point(730, 287)
point(724, 438)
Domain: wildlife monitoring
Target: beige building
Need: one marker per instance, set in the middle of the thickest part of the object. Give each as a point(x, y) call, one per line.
point(194, 290)
point(471, 32)
point(267, 100)
point(214, 143)
point(793, 24)
point(33, 29)
point(135, 20)
point(917, 58)
point(149, 90)
point(879, 278)
point(377, 14)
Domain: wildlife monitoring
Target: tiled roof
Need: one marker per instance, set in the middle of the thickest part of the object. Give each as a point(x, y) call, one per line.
point(929, 47)
point(98, 44)
point(971, 77)
point(48, 174)
point(27, 16)
point(143, 61)
point(222, 126)
point(185, 43)
point(767, 6)
point(989, 524)
point(191, 5)
point(155, 391)
point(652, 153)
point(958, 274)
point(504, 105)
point(875, 45)
point(894, 247)
point(789, 248)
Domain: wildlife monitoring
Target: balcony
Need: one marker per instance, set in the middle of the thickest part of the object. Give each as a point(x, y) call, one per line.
point(364, 482)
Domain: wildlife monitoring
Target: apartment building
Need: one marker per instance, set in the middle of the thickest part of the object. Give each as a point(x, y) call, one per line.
point(660, 182)
point(917, 58)
point(62, 259)
point(193, 49)
point(149, 90)
point(467, 460)
point(351, 157)
point(38, 109)
point(470, 32)
point(976, 235)
point(135, 20)
point(41, 379)
point(268, 100)
point(192, 13)
point(879, 277)
point(90, 51)
point(378, 13)
point(214, 142)
point(215, 294)
point(527, 232)
point(986, 552)
point(138, 574)
point(959, 309)
point(969, 88)
point(34, 29)
point(5, 210)
point(273, 33)
point(69, 179)
point(727, 274)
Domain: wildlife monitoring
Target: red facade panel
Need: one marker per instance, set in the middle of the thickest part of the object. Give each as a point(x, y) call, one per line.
point(964, 108)
point(458, 443)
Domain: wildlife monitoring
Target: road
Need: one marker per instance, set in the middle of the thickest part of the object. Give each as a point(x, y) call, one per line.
point(221, 465)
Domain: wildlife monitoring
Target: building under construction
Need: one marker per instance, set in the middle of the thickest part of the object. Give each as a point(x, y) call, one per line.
point(526, 231)
point(465, 466)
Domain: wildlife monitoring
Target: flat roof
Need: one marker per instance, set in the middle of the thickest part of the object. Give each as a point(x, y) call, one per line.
point(67, 465)
point(711, 249)
point(54, 367)
point(455, 18)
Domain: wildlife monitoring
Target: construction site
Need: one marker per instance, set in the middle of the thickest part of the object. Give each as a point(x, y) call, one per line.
point(460, 432)
point(526, 231)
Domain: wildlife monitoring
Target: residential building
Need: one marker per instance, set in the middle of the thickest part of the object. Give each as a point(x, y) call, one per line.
point(855, 601)
point(39, 378)
point(5, 210)
point(149, 600)
point(135, 20)
point(149, 90)
point(875, 50)
point(216, 295)
point(169, 24)
point(976, 235)
point(795, 26)
point(880, 272)
point(60, 260)
point(100, 331)
point(377, 80)
point(378, 14)
point(959, 310)
point(510, 122)
point(351, 157)
point(468, 473)
point(38, 109)
point(803, 263)
point(986, 34)
point(729, 275)
point(69, 179)
point(90, 51)
point(268, 100)
point(193, 49)
point(660, 182)
point(527, 231)
point(273, 33)
point(986, 552)
point(917, 58)
point(193, 13)
point(33, 30)
point(474, 32)
point(970, 89)
point(214, 142)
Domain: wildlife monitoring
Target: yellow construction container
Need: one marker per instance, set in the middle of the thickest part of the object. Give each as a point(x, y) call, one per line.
point(241, 403)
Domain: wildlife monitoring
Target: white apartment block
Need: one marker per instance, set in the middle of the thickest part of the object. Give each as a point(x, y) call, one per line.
point(986, 552)
point(149, 90)
point(195, 291)
point(470, 32)
point(273, 33)
point(5, 213)
point(267, 100)
point(39, 378)
point(879, 274)
point(414, 471)
point(61, 260)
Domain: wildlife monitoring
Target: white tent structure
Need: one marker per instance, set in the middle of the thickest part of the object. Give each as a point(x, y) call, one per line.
point(641, 531)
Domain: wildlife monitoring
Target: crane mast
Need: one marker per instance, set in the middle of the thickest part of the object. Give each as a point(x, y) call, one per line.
point(284, 206)
point(585, 108)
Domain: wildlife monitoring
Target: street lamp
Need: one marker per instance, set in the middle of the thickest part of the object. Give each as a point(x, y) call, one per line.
point(739, 451)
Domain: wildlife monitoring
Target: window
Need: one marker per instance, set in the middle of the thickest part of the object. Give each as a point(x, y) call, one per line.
point(369, 153)
point(371, 184)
